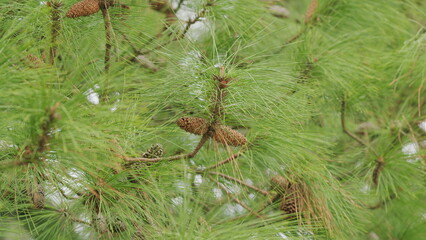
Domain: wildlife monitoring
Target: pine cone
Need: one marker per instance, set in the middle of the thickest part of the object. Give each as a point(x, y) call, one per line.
point(228, 136)
point(35, 61)
point(83, 8)
point(193, 125)
point(38, 196)
point(289, 204)
point(280, 184)
point(155, 151)
point(311, 11)
point(159, 5)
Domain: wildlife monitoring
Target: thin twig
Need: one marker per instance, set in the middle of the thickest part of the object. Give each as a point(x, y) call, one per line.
point(94, 192)
point(419, 102)
point(126, 38)
point(68, 186)
point(270, 201)
point(236, 199)
point(304, 73)
point(380, 204)
point(179, 5)
point(64, 194)
point(42, 144)
point(74, 219)
point(289, 41)
point(380, 162)
point(350, 134)
point(229, 159)
point(179, 36)
point(343, 123)
point(266, 193)
point(108, 36)
point(5, 165)
point(281, 48)
point(80, 221)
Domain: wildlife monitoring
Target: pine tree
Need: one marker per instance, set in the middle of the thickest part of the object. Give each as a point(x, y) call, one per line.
point(212, 119)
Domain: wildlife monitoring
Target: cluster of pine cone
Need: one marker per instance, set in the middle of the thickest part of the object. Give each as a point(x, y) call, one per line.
point(221, 133)
point(155, 151)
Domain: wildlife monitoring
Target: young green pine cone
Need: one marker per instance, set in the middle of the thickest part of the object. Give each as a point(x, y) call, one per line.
point(35, 61)
point(193, 125)
point(155, 151)
point(229, 136)
point(83, 8)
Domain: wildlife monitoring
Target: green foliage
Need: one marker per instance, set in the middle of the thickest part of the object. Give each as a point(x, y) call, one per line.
point(333, 106)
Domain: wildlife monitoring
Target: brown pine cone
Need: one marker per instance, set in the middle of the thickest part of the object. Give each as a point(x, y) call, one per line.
point(193, 125)
point(38, 196)
point(83, 8)
point(280, 184)
point(159, 5)
point(289, 204)
point(228, 136)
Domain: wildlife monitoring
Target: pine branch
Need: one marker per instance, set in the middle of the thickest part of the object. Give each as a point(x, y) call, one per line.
point(31, 153)
point(380, 162)
point(179, 5)
point(216, 111)
point(55, 28)
point(108, 34)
